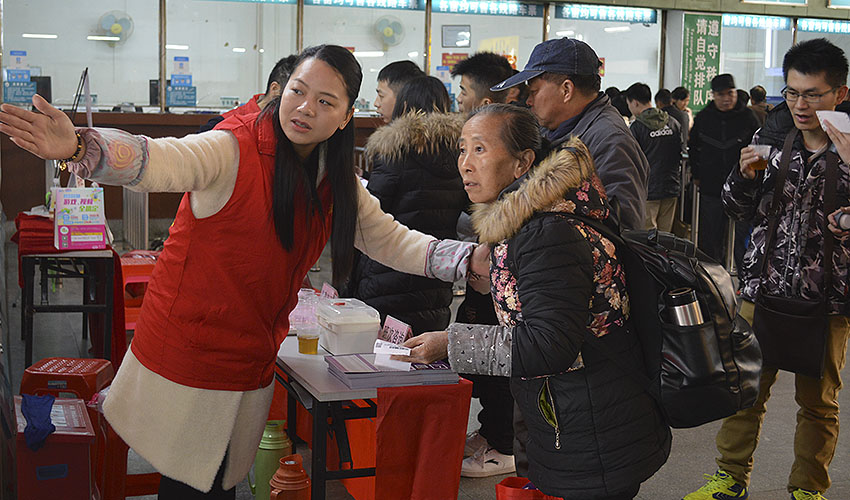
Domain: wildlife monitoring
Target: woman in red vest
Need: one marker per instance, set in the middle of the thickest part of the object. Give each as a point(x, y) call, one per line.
point(264, 193)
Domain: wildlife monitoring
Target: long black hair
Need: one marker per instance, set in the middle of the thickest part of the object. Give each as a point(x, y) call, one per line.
point(292, 175)
point(423, 93)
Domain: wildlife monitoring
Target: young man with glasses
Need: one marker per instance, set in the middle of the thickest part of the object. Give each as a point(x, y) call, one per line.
point(815, 73)
point(720, 131)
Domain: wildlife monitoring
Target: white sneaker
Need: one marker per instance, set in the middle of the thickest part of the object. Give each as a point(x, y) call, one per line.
point(474, 443)
point(487, 463)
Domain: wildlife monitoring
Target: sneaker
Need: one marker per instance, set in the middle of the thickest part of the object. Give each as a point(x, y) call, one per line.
point(474, 443)
point(486, 463)
point(719, 486)
point(801, 494)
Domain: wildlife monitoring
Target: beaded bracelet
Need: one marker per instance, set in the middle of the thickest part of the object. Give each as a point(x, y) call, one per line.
point(63, 164)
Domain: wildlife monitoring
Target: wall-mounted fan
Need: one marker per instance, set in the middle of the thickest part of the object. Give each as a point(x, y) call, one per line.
point(389, 30)
point(116, 23)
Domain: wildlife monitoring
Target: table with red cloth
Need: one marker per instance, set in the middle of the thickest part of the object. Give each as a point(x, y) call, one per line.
point(411, 437)
point(34, 237)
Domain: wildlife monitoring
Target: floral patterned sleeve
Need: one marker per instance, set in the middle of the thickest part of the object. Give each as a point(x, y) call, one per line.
point(480, 349)
point(113, 157)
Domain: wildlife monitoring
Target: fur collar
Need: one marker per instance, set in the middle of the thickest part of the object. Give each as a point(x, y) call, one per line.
point(418, 132)
point(542, 189)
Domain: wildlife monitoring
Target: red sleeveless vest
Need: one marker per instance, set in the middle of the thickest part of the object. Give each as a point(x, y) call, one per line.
point(217, 306)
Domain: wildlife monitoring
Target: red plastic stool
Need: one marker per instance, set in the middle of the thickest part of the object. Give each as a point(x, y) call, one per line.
point(74, 378)
point(137, 268)
point(83, 378)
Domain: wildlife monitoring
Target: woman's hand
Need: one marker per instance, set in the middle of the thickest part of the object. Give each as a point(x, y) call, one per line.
point(49, 134)
point(841, 141)
point(426, 348)
point(833, 223)
point(748, 157)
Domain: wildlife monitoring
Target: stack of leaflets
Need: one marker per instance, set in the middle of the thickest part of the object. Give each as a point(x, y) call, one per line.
point(360, 371)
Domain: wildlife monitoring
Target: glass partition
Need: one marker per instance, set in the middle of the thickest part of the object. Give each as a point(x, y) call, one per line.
point(460, 29)
point(229, 47)
point(835, 31)
point(752, 48)
point(116, 39)
point(393, 30)
point(609, 30)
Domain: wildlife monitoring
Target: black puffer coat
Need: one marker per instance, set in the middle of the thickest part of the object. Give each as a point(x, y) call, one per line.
point(415, 177)
point(715, 143)
point(592, 432)
point(660, 139)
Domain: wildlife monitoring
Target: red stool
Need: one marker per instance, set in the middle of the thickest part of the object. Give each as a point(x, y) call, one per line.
point(137, 268)
point(83, 378)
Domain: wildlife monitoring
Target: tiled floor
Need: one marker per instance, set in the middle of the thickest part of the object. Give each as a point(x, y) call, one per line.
point(693, 449)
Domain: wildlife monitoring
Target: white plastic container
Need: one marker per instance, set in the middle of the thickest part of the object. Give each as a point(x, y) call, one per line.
point(348, 326)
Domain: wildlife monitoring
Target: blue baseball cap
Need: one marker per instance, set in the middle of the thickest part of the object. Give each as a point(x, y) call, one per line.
point(566, 56)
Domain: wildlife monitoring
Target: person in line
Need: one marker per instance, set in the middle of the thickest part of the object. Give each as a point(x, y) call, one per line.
point(478, 73)
point(660, 138)
point(415, 178)
point(664, 102)
point(488, 451)
point(391, 79)
point(277, 80)
point(563, 81)
point(264, 193)
point(759, 106)
point(815, 73)
point(721, 130)
point(681, 98)
point(592, 434)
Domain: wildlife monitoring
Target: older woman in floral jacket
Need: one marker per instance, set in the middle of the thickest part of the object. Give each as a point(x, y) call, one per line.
point(592, 434)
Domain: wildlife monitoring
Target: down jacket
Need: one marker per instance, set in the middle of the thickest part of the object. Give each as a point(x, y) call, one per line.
point(795, 263)
point(591, 431)
point(416, 179)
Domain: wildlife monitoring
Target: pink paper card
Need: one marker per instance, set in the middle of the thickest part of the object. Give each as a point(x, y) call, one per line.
point(395, 331)
point(328, 292)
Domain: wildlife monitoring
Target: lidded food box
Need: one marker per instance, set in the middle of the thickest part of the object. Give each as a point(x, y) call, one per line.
point(348, 326)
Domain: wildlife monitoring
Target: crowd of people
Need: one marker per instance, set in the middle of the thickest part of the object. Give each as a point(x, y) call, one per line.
point(497, 195)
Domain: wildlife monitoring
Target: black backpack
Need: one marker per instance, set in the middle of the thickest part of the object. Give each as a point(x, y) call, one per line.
point(697, 373)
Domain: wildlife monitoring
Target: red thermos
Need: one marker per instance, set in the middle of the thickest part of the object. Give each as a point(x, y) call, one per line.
point(290, 482)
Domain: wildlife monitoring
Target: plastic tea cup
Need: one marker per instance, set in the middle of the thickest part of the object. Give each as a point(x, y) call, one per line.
point(763, 151)
point(308, 339)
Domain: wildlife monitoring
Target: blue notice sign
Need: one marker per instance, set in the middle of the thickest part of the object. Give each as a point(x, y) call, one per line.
point(181, 96)
point(18, 92)
point(181, 80)
point(17, 75)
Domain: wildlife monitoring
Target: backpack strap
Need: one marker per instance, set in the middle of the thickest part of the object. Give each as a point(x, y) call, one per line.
point(778, 192)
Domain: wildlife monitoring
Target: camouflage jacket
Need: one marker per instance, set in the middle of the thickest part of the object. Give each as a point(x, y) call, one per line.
point(795, 263)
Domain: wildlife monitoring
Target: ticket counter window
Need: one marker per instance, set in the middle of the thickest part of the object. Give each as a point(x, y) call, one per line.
point(229, 47)
point(610, 30)
point(116, 40)
point(752, 48)
point(508, 28)
point(377, 36)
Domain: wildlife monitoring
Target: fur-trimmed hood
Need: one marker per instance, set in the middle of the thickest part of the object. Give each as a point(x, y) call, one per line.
point(416, 132)
point(565, 181)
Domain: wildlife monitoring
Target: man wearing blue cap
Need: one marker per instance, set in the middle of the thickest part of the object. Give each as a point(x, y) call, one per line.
point(563, 82)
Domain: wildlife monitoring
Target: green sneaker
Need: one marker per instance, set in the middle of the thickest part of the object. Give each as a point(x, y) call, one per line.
point(801, 494)
point(719, 486)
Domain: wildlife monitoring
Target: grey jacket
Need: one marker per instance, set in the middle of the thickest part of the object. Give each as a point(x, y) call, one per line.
point(620, 163)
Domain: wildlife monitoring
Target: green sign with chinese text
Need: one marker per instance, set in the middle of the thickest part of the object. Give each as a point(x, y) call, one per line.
point(700, 56)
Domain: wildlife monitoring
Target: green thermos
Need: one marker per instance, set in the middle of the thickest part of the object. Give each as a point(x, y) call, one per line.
point(274, 445)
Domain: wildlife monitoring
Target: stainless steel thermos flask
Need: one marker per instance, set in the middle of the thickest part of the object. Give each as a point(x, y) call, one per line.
point(684, 307)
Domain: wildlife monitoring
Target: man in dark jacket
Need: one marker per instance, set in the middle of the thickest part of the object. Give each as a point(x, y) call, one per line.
point(478, 73)
point(815, 74)
point(660, 139)
point(720, 131)
point(664, 102)
point(758, 103)
point(563, 82)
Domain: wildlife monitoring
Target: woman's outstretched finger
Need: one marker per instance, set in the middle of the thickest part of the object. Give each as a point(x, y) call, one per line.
point(16, 122)
point(29, 146)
